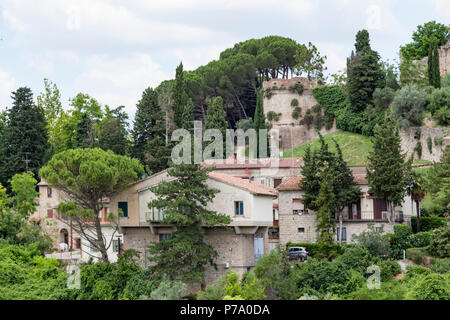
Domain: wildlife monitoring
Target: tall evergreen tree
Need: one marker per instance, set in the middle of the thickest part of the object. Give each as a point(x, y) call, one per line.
point(364, 72)
point(149, 130)
point(3, 172)
point(180, 97)
point(184, 202)
point(259, 122)
point(216, 118)
point(113, 133)
point(387, 171)
point(436, 69)
point(25, 135)
point(325, 219)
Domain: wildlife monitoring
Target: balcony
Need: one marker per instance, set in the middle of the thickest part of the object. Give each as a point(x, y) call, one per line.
point(367, 216)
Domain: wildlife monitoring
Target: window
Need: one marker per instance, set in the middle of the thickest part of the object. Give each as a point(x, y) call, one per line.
point(276, 182)
point(49, 192)
point(77, 243)
point(355, 209)
point(344, 233)
point(239, 208)
point(164, 236)
point(301, 229)
point(379, 229)
point(124, 206)
point(298, 207)
point(49, 213)
point(116, 244)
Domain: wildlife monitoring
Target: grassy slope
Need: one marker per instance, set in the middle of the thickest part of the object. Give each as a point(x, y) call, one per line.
point(355, 147)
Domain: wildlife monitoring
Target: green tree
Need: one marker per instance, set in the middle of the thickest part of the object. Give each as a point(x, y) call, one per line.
point(437, 181)
point(325, 218)
point(408, 106)
point(387, 171)
point(434, 75)
point(23, 187)
point(113, 133)
point(422, 37)
point(180, 97)
point(259, 123)
point(87, 176)
point(184, 202)
point(364, 73)
point(25, 135)
point(216, 119)
point(310, 62)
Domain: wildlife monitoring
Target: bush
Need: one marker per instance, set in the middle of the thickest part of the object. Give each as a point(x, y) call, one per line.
point(400, 240)
point(418, 149)
point(440, 98)
point(277, 275)
point(441, 266)
point(438, 141)
point(298, 87)
point(169, 290)
point(389, 269)
point(442, 116)
point(419, 240)
point(428, 223)
point(272, 115)
point(430, 144)
point(356, 258)
point(433, 286)
point(294, 103)
point(416, 255)
point(374, 241)
point(296, 113)
point(408, 105)
point(307, 119)
point(440, 242)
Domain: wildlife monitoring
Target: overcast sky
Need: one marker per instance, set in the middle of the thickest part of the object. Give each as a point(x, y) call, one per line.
point(114, 49)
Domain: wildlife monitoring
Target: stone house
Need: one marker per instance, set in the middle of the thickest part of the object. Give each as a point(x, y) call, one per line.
point(249, 204)
point(297, 223)
point(61, 229)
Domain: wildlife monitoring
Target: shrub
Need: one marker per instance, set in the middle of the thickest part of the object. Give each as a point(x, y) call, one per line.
point(418, 149)
point(298, 87)
point(439, 98)
point(438, 141)
point(430, 144)
point(389, 269)
point(272, 115)
point(400, 241)
point(433, 286)
point(408, 105)
point(420, 239)
point(307, 119)
point(296, 113)
point(356, 258)
point(294, 102)
point(428, 223)
point(441, 266)
point(416, 255)
point(316, 108)
point(440, 242)
point(318, 121)
point(268, 93)
point(277, 276)
point(374, 241)
point(442, 115)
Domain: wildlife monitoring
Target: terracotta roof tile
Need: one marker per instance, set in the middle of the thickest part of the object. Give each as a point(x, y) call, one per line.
point(292, 182)
point(255, 163)
point(252, 187)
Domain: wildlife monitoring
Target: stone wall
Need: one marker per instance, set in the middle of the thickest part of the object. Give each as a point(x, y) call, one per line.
point(235, 249)
point(444, 58)
point(409, 142)
point(292, 134)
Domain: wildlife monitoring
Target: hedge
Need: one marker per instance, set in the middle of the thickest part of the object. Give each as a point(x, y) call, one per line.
point(428, 223)
point(313, 248)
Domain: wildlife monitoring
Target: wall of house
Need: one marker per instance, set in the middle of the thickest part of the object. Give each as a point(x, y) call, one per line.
point(291, 133)
point(109, 234)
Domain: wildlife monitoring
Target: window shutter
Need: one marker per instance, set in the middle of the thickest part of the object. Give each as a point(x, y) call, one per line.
point(49, 213)
point(241, 207)
point(359, 209)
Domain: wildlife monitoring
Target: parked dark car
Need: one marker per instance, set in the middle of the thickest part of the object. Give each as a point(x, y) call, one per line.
point(297, 253)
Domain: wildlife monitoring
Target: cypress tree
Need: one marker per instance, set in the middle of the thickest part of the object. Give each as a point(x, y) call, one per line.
point(387, 171)
point(436, 71)
point(430, 65)
point(216, 118)
point(25, 134)
point(364, 72)
point(180, 97)
point(259, 121)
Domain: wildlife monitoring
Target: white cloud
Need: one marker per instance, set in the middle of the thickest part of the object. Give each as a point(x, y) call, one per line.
point(192, 58)
point(119, 81)
point(8, 84)
point(443, 8)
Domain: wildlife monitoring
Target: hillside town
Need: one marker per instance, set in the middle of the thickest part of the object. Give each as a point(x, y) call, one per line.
point(255, 176)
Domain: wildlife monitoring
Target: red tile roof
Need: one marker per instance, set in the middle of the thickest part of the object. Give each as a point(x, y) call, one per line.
point(255, 163)
point(292, 182)
point(244, 184)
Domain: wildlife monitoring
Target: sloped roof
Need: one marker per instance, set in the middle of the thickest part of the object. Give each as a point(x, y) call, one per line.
point(255, 163)
point(252, 187)
point(292, 182)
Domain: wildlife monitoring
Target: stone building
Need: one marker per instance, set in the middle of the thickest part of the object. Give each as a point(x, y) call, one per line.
point(279, 98)
point(60, 228)
point(249, 204)
point(297, 223)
